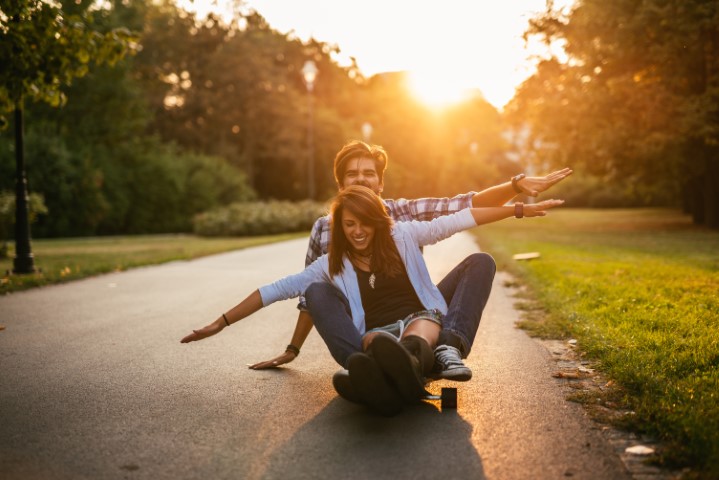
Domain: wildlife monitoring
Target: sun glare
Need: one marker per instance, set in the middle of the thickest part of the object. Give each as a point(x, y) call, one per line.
point(471, 48)
point(438, 90)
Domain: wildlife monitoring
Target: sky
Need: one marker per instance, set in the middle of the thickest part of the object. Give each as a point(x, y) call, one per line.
point(449, 46)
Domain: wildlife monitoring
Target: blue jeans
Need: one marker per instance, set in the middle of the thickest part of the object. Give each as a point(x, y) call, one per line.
point(465, 289)
point(332, 318)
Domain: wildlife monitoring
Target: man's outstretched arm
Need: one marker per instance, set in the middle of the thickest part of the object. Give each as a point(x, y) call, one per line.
point(531, 186)
point(302, 329)
point(318, 237)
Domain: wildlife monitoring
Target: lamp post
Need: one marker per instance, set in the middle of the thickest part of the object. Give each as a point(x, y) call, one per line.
point(24, 261)
point(309, 74)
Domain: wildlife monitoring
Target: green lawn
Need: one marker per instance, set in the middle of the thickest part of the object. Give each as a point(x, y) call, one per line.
point(70, 259)
point(639, 290)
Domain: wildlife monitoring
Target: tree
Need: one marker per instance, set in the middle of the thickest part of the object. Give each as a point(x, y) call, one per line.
point(235, 91)
point(636, 100)
point(42, 49)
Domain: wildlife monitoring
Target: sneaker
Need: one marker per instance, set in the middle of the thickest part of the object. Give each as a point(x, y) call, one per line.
point(371, 385)
point(448, 365)
point(401, 366)
point(343, 386)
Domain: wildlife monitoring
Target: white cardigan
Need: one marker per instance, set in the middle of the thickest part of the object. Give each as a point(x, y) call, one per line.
point(409, 237)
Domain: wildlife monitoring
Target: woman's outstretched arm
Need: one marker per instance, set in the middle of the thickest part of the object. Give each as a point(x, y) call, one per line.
point(486, 215)
point(245, 308)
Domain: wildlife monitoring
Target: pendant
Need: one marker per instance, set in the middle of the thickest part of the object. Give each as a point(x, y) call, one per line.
point(371, 280)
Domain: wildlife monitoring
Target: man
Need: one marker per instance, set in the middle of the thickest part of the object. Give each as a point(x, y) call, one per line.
point(466, 288)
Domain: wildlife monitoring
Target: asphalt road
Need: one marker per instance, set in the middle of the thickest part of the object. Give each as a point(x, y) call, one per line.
point(94, 384)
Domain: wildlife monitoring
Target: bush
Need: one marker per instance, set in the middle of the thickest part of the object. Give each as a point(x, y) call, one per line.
point(259, 218)
point(158, 189)
point(36, 206)
point(140, 186)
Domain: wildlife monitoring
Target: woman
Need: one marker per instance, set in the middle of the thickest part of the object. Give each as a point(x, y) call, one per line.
point(394, 313)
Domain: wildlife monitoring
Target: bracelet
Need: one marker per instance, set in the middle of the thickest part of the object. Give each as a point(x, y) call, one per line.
point(516, 179)
point(225, 317)
point(518, 210)
point(293, 349)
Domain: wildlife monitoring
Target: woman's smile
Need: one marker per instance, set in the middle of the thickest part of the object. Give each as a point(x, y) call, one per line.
point(358, 234)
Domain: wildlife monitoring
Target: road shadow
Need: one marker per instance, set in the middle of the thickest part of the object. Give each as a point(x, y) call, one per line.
point(347, 441)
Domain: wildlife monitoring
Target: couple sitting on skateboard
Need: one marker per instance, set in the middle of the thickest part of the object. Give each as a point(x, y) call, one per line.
point(371, 297)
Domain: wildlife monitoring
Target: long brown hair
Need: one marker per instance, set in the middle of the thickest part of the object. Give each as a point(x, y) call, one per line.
point(369, 209)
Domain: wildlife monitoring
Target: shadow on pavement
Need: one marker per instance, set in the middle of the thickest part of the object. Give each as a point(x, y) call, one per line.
point(347, 441)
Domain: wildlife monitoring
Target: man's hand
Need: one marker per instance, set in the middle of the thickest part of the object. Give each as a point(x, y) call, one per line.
point(533, 186)
point(286, 357)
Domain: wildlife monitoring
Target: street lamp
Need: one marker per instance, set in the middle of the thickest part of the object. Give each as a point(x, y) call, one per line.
point(309, 73)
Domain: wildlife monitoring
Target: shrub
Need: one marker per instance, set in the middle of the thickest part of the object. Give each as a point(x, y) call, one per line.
point(160, 189)
point(36, 206)
point(259, 218)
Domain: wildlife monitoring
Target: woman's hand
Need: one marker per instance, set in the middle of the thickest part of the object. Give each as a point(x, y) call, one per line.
point(533, 186)
point(208, 331)
point(286, 357)
point(539, 209)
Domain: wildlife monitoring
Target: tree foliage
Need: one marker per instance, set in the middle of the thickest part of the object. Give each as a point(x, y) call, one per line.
point(42, 49)
point(210, 112)
point(636, 99)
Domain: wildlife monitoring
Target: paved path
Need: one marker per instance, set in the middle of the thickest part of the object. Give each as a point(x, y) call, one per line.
point(94, 384)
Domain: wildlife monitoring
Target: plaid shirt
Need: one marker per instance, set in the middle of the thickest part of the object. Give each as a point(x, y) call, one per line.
point(401, 210)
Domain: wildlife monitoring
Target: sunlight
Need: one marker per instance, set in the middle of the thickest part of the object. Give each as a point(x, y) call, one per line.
point(437, 89)
point(471, 48)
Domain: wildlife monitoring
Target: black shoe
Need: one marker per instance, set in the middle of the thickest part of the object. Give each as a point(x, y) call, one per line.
point(401, 366)
point(371, 385)
point(343, 386)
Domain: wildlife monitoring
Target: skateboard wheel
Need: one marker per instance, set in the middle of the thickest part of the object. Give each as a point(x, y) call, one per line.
point(449, 397)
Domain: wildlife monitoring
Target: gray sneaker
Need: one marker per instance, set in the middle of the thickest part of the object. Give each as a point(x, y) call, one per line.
point(448, 365)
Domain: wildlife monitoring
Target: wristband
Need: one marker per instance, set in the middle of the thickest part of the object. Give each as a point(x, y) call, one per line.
point(225, 317)
point(516, 179)
point(518, 210)
point(293, 349)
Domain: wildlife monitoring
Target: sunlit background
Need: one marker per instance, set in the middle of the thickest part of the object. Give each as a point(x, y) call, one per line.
point(218, 106)
point(451, 49)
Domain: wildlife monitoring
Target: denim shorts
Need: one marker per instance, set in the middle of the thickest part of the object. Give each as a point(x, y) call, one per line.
point(397, 328)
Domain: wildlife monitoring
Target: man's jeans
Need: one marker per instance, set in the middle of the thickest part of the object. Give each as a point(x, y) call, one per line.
point(465, 289)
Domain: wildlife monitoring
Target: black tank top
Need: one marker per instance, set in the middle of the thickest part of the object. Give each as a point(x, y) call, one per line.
point(390, 300)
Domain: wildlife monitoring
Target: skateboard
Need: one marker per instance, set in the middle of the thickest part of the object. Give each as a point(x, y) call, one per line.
point(447, 397)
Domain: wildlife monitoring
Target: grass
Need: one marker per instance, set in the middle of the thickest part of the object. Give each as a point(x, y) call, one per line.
point(639, 290)
point(61, 260)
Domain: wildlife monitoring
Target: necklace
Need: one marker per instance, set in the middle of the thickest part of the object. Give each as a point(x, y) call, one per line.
point(365, 260)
